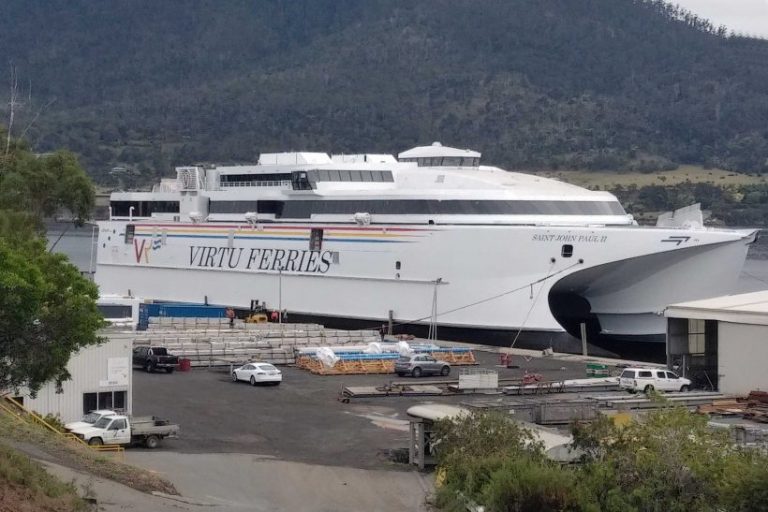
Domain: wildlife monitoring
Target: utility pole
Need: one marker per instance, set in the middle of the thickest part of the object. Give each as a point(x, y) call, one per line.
point(280, 294)
point(433, 318)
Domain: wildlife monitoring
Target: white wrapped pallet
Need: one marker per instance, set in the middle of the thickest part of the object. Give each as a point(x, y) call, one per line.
point(327, 357)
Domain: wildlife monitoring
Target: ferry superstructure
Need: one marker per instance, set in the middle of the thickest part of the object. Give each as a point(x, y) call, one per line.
point(430, 237)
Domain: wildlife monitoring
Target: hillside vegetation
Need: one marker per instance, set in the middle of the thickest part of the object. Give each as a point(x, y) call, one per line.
point(26, 487)
point(729, 198)
point(548, 84)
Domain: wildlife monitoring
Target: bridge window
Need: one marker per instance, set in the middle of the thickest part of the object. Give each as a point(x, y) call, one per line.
point(130, 232)
point(255, 180)
point(143, 208)
point(316, 240)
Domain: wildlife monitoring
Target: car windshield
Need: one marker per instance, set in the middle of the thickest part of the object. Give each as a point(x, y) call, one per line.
point(404, 359)
point(103, 422)
point(267, 367)
point(91, 417)
point(159, 351)
point(628, 374)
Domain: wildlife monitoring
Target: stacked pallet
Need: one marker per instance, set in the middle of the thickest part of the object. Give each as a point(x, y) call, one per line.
point(273, 343)
point(186, 323)
point(356, 362)
point(350, 364)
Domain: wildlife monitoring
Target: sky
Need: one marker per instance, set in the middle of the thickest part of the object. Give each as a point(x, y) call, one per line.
point(749, 17)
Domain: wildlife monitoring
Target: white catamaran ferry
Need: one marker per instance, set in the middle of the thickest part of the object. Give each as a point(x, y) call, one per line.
point(431, 238)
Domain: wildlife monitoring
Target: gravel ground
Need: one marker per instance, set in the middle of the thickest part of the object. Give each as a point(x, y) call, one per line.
point(301, 420)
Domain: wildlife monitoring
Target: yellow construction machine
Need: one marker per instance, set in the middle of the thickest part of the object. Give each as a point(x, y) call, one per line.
point(258, 313)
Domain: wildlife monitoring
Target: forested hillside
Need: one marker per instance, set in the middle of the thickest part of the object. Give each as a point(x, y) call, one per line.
point(595, 84)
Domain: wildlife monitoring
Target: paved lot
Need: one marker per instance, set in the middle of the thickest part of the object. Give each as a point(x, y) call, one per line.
point(301, 420)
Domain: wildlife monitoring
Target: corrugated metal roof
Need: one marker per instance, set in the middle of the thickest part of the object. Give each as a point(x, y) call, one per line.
point(746, 308)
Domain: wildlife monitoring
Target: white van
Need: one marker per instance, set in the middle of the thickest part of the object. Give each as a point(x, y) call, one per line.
point(648, 379)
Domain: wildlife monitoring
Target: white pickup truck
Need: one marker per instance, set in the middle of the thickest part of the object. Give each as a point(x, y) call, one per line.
point(89, 419)
point(147, 430)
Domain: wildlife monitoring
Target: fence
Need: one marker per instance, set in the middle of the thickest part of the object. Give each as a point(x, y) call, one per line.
point(16, 410)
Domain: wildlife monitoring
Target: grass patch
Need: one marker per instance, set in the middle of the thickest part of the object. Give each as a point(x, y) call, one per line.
point(691, 173)
point(80, 457)
point(26, 486)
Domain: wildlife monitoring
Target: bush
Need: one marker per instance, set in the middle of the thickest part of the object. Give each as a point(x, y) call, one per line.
point(524, 484)
point(669, 461)
point(55, 422)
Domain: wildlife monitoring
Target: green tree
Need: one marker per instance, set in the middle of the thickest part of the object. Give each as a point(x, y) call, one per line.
point(47, 309)
point(671, 460)
point(498, 463)
point(33, 187)
point(667, 460)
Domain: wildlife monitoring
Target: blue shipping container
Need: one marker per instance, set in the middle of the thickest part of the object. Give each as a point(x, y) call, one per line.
point(178, 311)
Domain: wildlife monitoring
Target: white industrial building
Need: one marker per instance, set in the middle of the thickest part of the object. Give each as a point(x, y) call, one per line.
point(721, 342)
point(101, 379)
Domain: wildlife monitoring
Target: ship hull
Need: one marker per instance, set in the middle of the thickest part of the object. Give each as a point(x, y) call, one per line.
point(463, 278)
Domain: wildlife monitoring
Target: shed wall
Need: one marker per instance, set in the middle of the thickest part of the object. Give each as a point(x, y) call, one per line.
point(90, 374)
point(742, 358)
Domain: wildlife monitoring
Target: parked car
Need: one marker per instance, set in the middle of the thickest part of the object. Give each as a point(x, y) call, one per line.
point(256, 373)
point(89, 419)
point(147, 430)
point(421, 364)
point(152, 358)
point(648, 379)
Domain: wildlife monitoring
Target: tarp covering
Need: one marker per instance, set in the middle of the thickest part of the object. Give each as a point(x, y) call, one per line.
point(327, 357)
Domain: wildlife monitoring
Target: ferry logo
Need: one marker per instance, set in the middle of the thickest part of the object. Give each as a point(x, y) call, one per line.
point(143, 249)
point(139, 250)
point(676, 239)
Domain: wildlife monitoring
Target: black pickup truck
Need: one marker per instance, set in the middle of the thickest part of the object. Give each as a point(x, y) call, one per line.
point(153, 358)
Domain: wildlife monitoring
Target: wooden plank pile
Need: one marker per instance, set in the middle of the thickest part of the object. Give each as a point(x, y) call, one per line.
point(357, 362)
point(754, 408)
point(347, 366)
point(757, 406)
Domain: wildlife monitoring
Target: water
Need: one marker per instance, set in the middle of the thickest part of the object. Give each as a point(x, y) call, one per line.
point(80, 245)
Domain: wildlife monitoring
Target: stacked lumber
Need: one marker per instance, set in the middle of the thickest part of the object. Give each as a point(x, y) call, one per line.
point(349, 365)
point(725, 407)
point(754, 408)
point(757, 406)
point(457, 357)
point(204, 343)
point(357, 362)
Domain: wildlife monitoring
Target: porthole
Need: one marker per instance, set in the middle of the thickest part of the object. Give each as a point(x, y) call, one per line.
point(567, 251)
